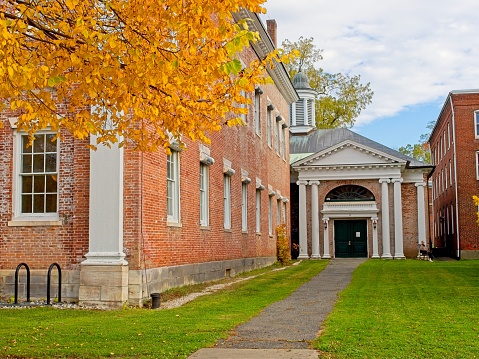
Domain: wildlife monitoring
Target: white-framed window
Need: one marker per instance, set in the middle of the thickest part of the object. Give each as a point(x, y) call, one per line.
point(227, 201)
point(278, 136)
point(244, 116)
point(476, 123)
point(278, 212)
point(269, 119)
point(173, 187)
point(258, 210)
point(244, 206)
point(257, 111)
point(37, 169)
point(270, 215)
point(448, 135)
point(445, 176)
point(285, 208)
point(204, 195)
point(284, 142)
point(450, 173)
point(477, 165)
point(444, 141)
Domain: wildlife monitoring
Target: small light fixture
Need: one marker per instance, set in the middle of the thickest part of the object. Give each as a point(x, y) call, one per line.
point(325, 222)
point(375, 223)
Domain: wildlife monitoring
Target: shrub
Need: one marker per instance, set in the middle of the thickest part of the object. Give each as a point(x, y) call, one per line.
point(283, 251)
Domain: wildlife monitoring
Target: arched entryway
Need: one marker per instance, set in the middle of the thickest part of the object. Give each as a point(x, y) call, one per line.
point(350, 234)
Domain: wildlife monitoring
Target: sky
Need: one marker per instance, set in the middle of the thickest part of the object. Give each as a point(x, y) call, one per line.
point(412, 52)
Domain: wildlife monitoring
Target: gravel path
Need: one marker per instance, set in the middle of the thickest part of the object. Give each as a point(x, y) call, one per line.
point(295, 321)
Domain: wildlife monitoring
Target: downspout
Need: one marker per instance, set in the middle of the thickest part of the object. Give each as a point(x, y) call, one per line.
point(455, 174)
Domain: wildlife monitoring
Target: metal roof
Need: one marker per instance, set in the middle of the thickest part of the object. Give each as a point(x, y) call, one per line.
point(319, 140)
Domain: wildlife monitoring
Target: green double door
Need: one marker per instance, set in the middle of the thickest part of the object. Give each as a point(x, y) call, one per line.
point(350, 238)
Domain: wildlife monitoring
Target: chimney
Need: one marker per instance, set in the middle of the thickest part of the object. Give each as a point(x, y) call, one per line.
point(271, 28)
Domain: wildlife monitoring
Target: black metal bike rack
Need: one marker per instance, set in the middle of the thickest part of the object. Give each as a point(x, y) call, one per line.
point(59, 282)
point(49, 274)
point(16, 281)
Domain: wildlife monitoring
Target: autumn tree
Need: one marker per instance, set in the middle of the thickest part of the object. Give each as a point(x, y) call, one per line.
point(420, 151)
point(341, 98)
point(139, 70)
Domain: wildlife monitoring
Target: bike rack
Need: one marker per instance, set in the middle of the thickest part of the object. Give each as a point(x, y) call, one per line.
point(16, 281)
point(59, 282)
point(49, 274)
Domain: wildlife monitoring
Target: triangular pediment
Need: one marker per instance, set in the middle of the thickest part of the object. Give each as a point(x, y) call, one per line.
point(348, 153)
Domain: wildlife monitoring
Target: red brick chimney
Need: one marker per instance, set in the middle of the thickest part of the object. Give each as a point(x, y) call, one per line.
point(271, 28)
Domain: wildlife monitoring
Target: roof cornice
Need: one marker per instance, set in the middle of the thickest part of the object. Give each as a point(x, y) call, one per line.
point(263, 47)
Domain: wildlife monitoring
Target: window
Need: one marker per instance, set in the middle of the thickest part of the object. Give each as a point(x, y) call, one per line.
point(38, 175)
point(444, 141)
point(244, 207)
point(284, 211)
point(284, 143)
point(448, 136)
point(269, 118)
point(227, 201)
point(278, 212)
point(270, 215)
point(445, 176)
point(244, 116)
point(173, 187)
point(258, 210)
point(257, 110)
point(204, 194)
point(477, 165)
point(450, 173)
point(476, 123)
point(277, 135)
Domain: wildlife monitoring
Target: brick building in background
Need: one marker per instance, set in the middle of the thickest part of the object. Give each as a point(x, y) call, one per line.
point(454, 144)
point(123, 224)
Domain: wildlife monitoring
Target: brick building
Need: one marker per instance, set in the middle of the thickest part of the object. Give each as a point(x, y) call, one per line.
point(123, 224)
point(352, 197)
point(454, 144)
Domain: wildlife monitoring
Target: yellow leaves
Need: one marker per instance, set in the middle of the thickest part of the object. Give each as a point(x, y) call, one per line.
point(476, 203)
point(171, 67)
point(71, 4)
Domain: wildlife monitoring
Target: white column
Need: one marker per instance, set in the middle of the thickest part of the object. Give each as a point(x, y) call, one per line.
point(106, 207)
point(374, 223)
point(385, 217)
point(326, 254)
point(314, 220)
point(303, 235)
point(398, 230)
point(421, 213)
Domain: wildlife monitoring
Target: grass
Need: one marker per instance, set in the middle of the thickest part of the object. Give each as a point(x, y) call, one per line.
point(406, 309)
point(140, 333)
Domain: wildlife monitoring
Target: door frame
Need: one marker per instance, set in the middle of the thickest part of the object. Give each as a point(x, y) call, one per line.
point(364, 222)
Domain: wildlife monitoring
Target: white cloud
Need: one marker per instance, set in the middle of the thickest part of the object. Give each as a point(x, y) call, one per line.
point(412, 52)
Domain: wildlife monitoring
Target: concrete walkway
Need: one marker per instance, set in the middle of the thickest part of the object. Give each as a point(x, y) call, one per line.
point(285, 329)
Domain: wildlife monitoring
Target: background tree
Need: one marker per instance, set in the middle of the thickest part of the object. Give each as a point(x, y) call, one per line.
point(341, 97)
point(142, 69)
point(420, 151)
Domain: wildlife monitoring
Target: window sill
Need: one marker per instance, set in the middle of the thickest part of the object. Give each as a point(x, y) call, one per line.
point(27, 222)
point(228, 230)
point(205, 228)
point(174, 224)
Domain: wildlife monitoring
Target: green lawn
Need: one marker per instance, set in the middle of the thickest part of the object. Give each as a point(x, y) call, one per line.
point(392, 309)
point(142, 333)
point(406, 309)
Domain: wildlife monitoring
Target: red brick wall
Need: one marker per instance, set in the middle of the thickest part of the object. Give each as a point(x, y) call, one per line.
point(39, 246)
point(465, 146)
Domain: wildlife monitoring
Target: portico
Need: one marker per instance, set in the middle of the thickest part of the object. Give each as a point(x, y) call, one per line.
point(376, 189)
